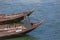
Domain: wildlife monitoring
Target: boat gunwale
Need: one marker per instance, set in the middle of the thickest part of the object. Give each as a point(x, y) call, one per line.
point(25, 31)
point(27, 13)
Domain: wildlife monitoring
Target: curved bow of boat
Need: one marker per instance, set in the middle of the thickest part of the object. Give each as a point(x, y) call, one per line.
point(29, 12)
point(34, 25)
point(14, 17)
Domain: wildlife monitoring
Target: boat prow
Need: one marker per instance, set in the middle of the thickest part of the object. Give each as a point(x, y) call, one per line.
point(9, 32)
point(34, 25)
point(11, 18)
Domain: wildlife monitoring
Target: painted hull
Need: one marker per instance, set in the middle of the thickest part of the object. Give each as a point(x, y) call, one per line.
point(11, 18)
point(34, 25)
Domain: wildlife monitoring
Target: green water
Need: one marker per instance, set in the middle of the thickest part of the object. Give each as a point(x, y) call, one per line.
point(19, 22)
point(24, 37)
point(16, 23)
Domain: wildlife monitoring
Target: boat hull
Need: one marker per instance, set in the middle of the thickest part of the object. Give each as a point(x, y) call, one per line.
point(18, 17)
point(35, 25)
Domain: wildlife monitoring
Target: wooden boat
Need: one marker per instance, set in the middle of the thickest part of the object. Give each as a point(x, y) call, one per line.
point(17, 29)
point(11, 18)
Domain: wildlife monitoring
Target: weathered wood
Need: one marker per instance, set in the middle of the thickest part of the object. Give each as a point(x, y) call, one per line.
point(11, 18)
point(34, 25)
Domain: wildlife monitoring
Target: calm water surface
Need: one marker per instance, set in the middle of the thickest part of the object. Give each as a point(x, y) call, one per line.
point(44, 9)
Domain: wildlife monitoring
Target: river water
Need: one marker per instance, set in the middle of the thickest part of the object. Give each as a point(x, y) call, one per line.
point(49, 10)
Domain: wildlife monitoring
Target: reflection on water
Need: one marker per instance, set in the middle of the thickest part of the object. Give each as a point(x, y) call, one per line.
point(24, 37)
